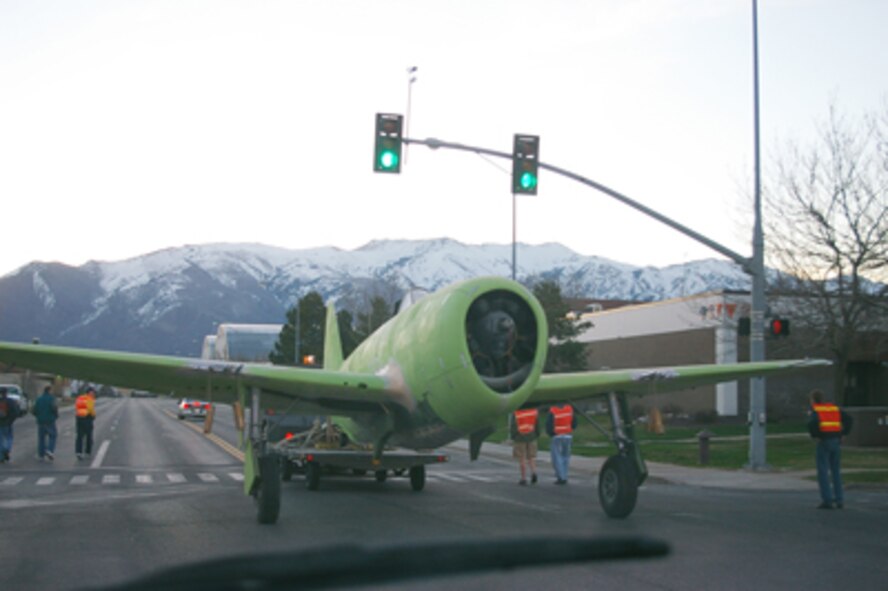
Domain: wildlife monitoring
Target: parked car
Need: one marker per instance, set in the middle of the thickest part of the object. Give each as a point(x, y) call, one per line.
point(195, 409)
point(14, 392)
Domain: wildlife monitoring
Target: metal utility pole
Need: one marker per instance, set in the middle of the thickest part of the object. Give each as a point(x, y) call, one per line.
point(411, 78)
point(757, 417)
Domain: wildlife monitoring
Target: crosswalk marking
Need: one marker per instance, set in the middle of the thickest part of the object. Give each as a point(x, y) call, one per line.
point(12, 480)
point(111, 479)
point(207, 477)
point(176, 477)
point(446, 476)
point(236, 476)
point(45, 481)
point(80, 479)
point(479, 478)
point(144, 478)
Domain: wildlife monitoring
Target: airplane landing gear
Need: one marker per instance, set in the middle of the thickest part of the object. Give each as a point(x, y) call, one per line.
point(618, 486)
point(267, 493)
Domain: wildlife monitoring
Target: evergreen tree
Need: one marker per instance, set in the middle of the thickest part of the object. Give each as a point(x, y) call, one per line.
point(565, 354)
point(312, 316)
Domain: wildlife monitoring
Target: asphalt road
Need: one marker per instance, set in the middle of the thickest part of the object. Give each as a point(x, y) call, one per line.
point(160, 493)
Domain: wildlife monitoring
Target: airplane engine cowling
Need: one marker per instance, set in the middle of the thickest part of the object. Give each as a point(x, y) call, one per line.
point(501, 334)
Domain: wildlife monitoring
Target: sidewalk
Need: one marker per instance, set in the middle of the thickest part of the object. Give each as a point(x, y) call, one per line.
point(665, 473)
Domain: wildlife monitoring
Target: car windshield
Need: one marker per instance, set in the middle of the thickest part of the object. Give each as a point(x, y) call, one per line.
point(464, 294)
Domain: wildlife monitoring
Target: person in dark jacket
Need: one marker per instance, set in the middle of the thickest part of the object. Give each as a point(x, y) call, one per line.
point(828, 423)
point(46, 412)
point(9, 412)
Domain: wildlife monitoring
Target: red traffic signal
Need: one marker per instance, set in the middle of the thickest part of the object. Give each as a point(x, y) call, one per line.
point(779, 327)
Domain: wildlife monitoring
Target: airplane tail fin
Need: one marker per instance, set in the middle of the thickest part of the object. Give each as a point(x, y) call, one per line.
point(332, 341)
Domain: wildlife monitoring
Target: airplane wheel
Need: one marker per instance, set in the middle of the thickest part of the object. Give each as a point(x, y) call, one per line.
point(618, 487)
point(417, 478)
point(312, 475)
point(381, 475)
point(268, 492)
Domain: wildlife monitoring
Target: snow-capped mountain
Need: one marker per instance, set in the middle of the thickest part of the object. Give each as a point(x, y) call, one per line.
point(166, 301)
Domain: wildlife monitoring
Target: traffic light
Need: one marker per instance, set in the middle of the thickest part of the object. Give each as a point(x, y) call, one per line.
point(525, 163)
point(779, 327)
point(387, 152)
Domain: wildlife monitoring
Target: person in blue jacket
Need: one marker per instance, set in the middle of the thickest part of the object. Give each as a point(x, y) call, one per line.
point(9, 412)
point(46, 411)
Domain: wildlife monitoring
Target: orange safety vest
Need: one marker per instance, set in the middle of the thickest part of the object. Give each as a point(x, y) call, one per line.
point(830, 418)
point(83, 406)
point(563, 419)
point(526, 420)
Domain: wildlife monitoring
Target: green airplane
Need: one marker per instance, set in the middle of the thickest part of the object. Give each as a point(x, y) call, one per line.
point(449, 365)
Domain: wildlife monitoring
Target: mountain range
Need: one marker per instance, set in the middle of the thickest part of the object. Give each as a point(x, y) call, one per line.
point(167, 301)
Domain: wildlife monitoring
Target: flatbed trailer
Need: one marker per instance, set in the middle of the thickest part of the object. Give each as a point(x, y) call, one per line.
point(314, 461)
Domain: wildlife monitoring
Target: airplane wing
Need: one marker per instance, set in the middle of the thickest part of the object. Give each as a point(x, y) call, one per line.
point(576, 386)
point(289, 389)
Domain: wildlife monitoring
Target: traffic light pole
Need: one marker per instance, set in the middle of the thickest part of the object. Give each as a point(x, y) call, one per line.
point(753, 266)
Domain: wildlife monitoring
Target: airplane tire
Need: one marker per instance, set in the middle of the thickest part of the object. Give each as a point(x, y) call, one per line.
point(312, 475)
point(618, 487)
point(381, 475)
point(417, 478)
point(268, 492)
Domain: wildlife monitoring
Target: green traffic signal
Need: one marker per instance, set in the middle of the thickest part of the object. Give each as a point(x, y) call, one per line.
point(528, 181)
point(525, 163)
point(387, 149)
point(388, 160)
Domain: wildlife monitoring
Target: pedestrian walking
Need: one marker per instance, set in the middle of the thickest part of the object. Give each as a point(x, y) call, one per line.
point(525, 431)
point(85, 413)
point(560, 425)
point(9, 412)
point(46, 411)
point(828, 423)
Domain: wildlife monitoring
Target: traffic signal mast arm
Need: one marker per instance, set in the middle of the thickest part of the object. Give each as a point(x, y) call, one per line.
point(745, 262)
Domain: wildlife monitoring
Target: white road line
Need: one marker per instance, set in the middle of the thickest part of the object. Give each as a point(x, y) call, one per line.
point(111, 479)
point(176, 477)
point(103, 449)
point(479, 478)
point(236, 476)
point(45, 481)
point(80, 479)
point(207, 477)
point(12, 480)
point(144, 479)
point(445, 476)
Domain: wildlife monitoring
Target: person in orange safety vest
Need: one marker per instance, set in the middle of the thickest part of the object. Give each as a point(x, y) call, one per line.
point(560, 425)
point(85, 417)
point(828, 423)
point(525, 432)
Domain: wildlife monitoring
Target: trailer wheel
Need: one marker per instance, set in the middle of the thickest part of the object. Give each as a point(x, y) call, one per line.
point(312, 475)
point(286, 470)
point(417, 478)
point(381, 475)
point(268, 490)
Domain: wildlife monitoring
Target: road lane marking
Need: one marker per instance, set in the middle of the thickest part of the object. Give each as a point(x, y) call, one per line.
point(103, 449)
point(207, 477)
point(236, 476)
point(445, 476)
point(479, 478)
point(176, 477)
point(45, 481)
point(12, 480)
point(144, 479)
point(111, 479)
point(227, 447)
point(80, 479)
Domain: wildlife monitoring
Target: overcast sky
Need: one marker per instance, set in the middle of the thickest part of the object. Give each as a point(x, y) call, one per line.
point(131, 126)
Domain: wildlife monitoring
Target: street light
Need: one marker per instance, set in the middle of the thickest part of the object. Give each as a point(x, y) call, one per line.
point(411, 78)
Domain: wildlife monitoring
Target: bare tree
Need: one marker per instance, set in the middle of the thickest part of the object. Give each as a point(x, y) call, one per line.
point(826, 222)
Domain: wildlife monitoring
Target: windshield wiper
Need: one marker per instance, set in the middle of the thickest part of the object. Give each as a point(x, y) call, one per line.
point(350, 564)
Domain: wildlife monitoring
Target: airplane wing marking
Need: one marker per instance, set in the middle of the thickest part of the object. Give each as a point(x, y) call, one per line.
point(577, 386)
